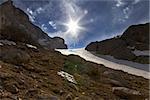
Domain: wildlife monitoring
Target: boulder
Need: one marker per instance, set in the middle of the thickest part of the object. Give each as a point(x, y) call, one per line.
point(127, 93)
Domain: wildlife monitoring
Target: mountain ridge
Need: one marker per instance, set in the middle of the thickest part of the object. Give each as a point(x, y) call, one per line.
point(134, 38)
point(16, 26)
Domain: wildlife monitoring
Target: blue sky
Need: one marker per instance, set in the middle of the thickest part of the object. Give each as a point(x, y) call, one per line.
point(100, 19)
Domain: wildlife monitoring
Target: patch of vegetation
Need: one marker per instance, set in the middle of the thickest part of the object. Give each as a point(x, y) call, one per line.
point(142, 59)
point(73, 67)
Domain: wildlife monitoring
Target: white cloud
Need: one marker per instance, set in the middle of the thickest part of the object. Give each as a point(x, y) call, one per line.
point(126, 12)
point(85, 12)
point(119, 3)
point(30, 14)
point(32, 18)
point(39, 10)
point(121, 15)
point(52, 24)
point(29, 11)
point(44, 28)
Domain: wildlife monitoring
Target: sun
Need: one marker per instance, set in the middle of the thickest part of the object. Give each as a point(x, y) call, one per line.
point(73, 26)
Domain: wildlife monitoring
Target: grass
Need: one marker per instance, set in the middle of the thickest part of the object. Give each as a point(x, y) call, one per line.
point(73, 67)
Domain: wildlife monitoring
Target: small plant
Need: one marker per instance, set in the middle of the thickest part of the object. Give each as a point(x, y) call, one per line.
point(73, 67)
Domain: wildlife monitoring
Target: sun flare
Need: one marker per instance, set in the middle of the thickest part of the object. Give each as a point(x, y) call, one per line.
point(73, 26)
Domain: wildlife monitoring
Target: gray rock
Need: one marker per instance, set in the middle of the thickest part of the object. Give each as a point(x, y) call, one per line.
point(12, 88)
point(47, 98)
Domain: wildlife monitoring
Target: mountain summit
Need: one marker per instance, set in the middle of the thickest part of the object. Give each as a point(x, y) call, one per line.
point(15, 26)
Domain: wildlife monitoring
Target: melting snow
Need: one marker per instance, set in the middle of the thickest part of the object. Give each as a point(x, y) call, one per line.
point(31, 46)
point(1, 44)
point(7, 42)
point(69, 77)
point(132, 69)
point(141, 53)
point(129, 47)
point(127, 90)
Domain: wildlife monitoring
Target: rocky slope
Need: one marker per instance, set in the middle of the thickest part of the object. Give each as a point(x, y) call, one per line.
point(15, 25)
point(30, 73)
point(135, 38)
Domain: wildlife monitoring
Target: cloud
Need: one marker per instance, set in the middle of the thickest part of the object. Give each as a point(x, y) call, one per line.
point(29, 11)
point(39, 10)
point(85, 12)
point(52, 24)
point(30, 14)
point(126, 12)
point(119, 3)
point(44, 28)
point(122, 14)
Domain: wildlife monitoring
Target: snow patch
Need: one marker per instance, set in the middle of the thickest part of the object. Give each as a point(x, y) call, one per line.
point(31, 46)
point(132, 48)
point(132, 68)
point(67, 76)
point(1, 44)
point(127, 90)
point(7, 42)
point(141, 53)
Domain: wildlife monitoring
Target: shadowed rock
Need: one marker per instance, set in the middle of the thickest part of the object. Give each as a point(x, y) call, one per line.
point(136, 37)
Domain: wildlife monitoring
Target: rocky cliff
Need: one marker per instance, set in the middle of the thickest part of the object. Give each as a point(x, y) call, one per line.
point(135, 38)
point(15, 26)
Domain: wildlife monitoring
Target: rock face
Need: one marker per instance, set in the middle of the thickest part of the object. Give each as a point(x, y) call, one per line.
point(136, 37)
point(15, 26)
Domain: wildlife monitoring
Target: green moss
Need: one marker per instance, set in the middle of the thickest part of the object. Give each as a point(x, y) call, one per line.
point(142, 59)
point(73, 67)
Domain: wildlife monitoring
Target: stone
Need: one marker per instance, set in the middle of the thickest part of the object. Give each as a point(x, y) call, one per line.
point(47, 98)
point(128, 93)
point(12, 88)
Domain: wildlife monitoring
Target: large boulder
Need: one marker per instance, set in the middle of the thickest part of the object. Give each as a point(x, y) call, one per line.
point(15, 25)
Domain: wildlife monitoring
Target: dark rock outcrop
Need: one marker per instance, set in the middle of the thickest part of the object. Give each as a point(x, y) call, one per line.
point(135, 37)
point(15, 26)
